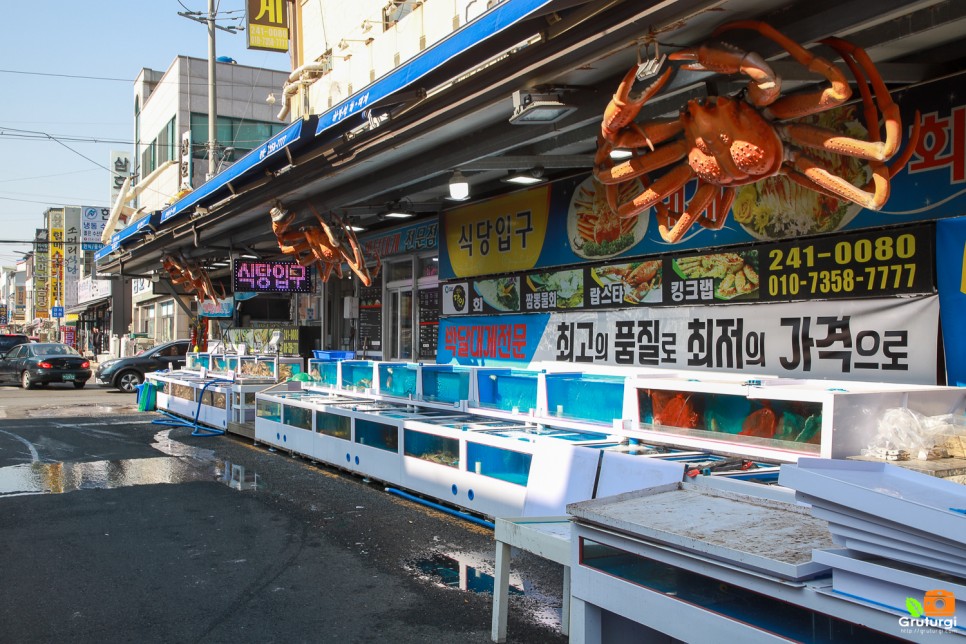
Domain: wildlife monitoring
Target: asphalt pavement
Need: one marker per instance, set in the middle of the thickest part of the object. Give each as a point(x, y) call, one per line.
point(115, 529)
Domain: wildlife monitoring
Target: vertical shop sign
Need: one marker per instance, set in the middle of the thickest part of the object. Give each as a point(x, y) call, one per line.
point(72, 256)
point(951, 280)
point(121, 170)
point(56, 270)
point(93, 221)
point(428, 322)
point(41, 273)
point(370, 317)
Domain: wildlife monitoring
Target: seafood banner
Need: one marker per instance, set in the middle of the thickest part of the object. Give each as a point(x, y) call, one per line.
point(880, 263)
point(870, 340)
point(570, 222)
point(951, 279)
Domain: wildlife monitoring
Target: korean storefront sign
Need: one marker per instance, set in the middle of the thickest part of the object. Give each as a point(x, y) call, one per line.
point(257, 276)
point(861, 340)
point(399, 241)
point(42, 301)
point(55, 271)
point(93, 220)
point(951, 280)
point(267, 24)
point(875, 263)
point(573, 223)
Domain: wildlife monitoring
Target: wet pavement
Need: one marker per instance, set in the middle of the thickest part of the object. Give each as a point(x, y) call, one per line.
point(118, 530)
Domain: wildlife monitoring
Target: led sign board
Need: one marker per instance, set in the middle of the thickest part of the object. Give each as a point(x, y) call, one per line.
point(271, 277)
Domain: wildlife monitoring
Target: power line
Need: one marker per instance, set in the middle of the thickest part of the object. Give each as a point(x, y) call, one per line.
point(102, 78)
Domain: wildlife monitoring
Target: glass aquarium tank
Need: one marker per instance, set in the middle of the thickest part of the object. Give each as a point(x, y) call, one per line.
point(357, 374)
point(197, 361)
point(377, 435)
point(269, 410)
point(786, 424)
point(498, 463)
point(432, 448)
point(507, 389)
point(591, 397)
point(185, 392)
point(214, 398)
point(258, 367)
point(398, 379)
point(333, 425)
point(324, 372)
point(446, 383)
point(299, 417)
point(289, 367)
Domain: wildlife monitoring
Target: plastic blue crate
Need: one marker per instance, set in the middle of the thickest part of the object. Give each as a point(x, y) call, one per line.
point(333, 355)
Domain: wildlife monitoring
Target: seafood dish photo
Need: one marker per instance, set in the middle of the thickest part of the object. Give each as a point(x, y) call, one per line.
point(593, 227)
point(734, 274)
point(640, 279)
point(502, 293)
point(568, 286)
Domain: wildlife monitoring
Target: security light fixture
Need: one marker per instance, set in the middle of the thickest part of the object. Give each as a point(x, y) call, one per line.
point(537, 109)
point(526, 178)
point(459, 187)
point(620, 155)
point(397, 210)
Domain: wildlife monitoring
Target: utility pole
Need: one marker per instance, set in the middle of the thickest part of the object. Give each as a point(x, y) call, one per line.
point(209, 20)
point(212, 94)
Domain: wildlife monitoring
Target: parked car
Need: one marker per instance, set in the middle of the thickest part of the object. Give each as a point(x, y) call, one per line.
point(127, 373)
point(42, 363)
point(10, 340)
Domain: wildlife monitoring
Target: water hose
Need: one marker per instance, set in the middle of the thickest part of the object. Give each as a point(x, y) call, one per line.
point(172, 420)
point(442, 508)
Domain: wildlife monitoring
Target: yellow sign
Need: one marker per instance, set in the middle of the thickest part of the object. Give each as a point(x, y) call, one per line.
point(267, 25)
point(502, 235)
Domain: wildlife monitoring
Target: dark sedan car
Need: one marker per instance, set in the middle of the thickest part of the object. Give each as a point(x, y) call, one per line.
point(43, 363)
point(127, 373)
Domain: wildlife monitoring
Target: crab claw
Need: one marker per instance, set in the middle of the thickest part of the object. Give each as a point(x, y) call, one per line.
point(720, 57)
point(624, 107)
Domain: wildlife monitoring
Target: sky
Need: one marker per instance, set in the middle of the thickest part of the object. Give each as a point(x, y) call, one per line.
point(67, 72)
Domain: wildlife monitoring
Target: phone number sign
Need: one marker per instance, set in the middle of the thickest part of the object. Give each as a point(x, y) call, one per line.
point(271, 277)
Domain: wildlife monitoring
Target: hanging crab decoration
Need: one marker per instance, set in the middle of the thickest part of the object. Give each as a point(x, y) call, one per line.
point(328, 244)
point(728, 142)
point(191, 275)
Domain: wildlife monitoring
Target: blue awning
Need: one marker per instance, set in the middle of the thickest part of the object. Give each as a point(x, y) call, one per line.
point(244, 169)
point(473, 33)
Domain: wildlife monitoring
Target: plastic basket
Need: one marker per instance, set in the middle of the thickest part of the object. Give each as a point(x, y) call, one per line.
point(333, 355)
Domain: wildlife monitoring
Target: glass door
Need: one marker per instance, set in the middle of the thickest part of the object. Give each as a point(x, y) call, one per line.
point(400, 323)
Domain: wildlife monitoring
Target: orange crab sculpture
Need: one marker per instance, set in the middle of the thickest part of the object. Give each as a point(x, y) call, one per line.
point(327, 245)
point(730, 142)
point(194, 278)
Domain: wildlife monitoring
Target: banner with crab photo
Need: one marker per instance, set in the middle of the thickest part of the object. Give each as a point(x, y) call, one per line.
point(570, 222)
point(867, 340)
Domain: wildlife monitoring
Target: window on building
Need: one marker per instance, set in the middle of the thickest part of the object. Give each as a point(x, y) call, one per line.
point(166, 329)
point(148, 321)
point(242, 134)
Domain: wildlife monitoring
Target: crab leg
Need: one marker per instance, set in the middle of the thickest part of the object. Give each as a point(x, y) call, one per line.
point(637, 166)
point(670, 182)
point(873, 200)
point(682, 222)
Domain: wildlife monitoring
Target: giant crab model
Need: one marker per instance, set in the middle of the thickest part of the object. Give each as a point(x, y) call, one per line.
point(730, 142)
point(327, 244)
point(191, 274)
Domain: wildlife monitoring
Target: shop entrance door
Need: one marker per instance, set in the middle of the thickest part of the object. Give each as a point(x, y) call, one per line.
point(400, 322)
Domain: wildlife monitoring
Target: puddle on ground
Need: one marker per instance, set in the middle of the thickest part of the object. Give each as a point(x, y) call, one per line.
point(95, 409)
point(182, 464)
point(464, 571)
